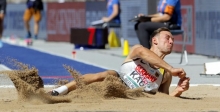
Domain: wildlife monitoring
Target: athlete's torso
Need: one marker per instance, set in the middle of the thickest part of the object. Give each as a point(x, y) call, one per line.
point(138, 73)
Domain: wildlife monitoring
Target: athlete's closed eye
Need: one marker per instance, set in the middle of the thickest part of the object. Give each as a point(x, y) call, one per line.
point(169, 37)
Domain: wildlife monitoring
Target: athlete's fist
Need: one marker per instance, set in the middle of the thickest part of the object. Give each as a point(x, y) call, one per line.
point(183, 84)
point(178, 72)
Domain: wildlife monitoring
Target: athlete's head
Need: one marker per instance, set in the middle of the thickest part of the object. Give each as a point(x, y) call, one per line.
point(162, 40)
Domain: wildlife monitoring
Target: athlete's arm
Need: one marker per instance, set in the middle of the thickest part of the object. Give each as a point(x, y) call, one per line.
point(182, 86)
point(165, 85)
point(139, 51)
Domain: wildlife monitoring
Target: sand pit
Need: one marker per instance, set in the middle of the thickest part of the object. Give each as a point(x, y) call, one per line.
point(29, 94)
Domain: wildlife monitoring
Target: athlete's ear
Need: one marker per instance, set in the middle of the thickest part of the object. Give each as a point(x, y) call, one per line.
point(154, 41)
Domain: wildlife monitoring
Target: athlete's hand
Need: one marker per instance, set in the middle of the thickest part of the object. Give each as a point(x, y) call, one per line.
point(178, 72)
point(183, 84)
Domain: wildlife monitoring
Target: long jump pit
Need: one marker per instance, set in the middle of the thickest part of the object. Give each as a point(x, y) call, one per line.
point(27, 93)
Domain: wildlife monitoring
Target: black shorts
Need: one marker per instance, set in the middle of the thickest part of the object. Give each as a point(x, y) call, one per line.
point(3, 5)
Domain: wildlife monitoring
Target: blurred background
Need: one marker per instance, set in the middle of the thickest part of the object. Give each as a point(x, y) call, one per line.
point(200, 18)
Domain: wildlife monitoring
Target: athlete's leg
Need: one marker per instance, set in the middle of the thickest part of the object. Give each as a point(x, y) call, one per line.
point(37, 18)
point(26, 18)
point(165, 85)
point(87, 79)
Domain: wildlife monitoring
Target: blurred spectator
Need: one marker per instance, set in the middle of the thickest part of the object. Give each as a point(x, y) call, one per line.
point(113, 15)
point(113, 8)
point(169, 15)
point(112, 20)
point(2, 14)
point(34, 8)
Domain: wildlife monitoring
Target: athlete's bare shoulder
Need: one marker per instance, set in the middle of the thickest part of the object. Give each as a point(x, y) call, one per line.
point(132, 52)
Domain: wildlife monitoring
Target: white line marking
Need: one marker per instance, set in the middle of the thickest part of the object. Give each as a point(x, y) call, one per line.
point(4, 67)
point(12, 86)
point(172, 85)
point(191, 85)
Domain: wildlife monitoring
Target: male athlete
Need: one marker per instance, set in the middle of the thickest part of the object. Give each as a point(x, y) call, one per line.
point(143, 68)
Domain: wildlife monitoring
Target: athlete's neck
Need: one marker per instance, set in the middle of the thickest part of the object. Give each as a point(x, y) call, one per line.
point(158, 52)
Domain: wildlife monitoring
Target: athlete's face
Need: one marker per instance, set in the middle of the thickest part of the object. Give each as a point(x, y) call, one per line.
point(164, 42)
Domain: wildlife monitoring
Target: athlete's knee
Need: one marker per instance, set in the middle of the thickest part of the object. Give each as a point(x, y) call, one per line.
point(169, 77)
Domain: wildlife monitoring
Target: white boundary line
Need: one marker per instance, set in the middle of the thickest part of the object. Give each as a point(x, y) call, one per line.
point(193, 85)
point(12, 86)
point(172, 85)
point(4, 67)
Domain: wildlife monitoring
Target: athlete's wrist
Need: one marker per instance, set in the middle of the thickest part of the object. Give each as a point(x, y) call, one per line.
point(176, 93)
point(169, 69)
